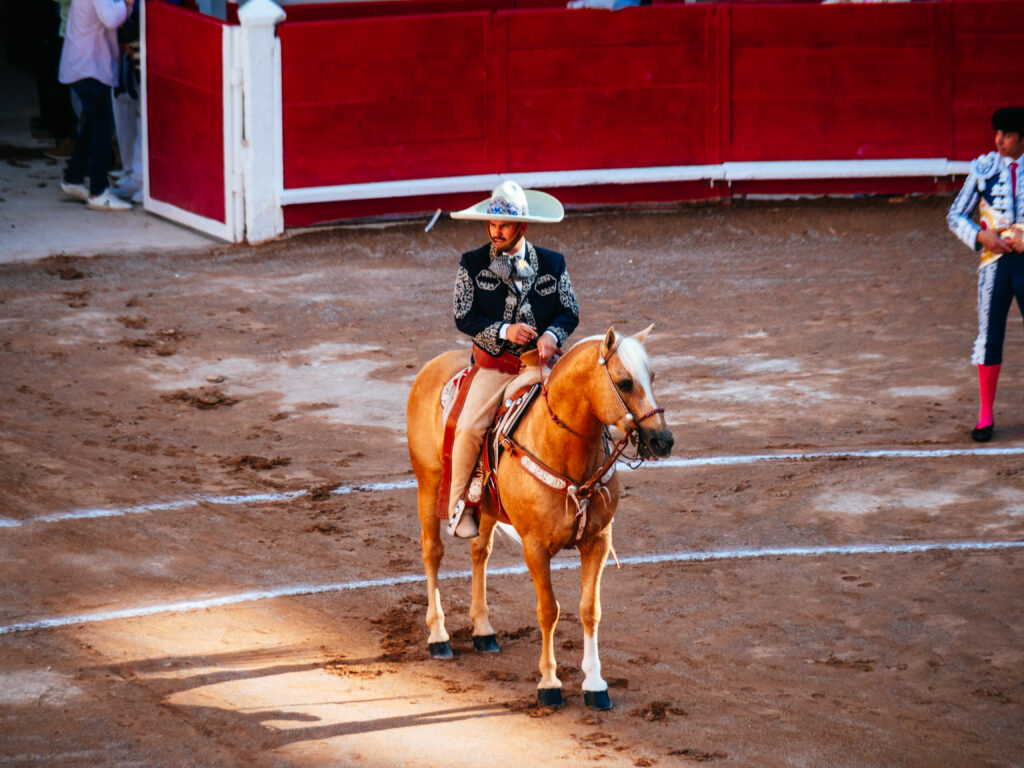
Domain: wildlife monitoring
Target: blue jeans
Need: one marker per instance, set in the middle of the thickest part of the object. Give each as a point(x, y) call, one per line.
point(91, 156)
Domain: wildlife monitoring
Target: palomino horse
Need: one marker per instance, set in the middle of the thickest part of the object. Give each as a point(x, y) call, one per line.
point(601, 381)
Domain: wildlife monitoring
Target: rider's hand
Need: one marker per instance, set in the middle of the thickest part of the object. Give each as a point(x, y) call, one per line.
point(520, 333)
point(548, 347)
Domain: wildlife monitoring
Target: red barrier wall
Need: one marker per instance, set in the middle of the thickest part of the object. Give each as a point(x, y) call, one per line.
point(840, 82)
point(600, 90)
point(185, 109)
point(531, 89)
point(986, 69)
point(384, 99)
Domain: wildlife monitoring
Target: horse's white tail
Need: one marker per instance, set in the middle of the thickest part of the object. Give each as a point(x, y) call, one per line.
point(509, 531)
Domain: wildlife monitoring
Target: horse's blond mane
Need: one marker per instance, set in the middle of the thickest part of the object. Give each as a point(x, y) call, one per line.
point(632, 353)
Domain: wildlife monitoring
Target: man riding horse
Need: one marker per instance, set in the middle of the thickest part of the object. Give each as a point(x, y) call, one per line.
point(511, 297)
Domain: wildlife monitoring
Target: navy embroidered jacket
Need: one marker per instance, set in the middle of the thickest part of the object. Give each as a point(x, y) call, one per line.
point(484, 301)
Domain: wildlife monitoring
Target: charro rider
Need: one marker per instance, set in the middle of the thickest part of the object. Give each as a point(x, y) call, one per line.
point(510, 297)
point(995, 186)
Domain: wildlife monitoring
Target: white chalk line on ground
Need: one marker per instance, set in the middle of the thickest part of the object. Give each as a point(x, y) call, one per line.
point(702, 461)
point(296, 590)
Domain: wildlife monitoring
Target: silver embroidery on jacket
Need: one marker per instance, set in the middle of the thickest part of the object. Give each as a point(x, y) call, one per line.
point(463, 301)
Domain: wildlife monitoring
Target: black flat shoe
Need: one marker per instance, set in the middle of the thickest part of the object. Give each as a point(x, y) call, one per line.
point(982, 434)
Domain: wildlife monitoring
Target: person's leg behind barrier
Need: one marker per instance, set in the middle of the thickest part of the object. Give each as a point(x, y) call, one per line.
point(99, 117)
point(78, 164)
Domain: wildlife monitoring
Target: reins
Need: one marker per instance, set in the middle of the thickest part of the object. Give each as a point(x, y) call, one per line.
point(603, 362)
point(583, 492)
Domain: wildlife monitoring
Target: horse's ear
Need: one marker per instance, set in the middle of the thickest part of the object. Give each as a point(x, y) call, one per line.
point(642, 336)
point(608, 344)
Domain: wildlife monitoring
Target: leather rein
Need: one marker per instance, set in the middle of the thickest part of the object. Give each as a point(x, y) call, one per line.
point(579, 493)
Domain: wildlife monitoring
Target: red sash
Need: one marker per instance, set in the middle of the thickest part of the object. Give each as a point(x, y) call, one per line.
point(506, 362)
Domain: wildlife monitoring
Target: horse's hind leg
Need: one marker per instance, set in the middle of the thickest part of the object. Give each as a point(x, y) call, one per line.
point(480, 551)
point(549, 689)
point(593, 555)
point(433, 550)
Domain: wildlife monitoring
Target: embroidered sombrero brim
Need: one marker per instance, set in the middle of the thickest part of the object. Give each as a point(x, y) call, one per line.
point(542, 208)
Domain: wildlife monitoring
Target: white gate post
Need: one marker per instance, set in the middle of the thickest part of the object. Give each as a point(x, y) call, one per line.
point(263, 152)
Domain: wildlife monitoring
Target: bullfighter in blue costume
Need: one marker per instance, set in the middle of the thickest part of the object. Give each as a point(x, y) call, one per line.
point(995, 186)
point(510, 297)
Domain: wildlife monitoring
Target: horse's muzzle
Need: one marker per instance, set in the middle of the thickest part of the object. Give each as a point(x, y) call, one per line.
point(655, 443)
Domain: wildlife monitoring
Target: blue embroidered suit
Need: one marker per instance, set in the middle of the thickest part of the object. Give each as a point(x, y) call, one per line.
point(484, 301)
point(988, 188)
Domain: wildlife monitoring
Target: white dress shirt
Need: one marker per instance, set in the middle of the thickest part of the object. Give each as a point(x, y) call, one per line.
point(90, 42)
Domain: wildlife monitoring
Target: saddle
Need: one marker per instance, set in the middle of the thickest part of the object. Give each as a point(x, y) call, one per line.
point(509, 414)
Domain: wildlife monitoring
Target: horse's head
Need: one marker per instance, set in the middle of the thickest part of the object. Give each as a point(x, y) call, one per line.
point(627, 397)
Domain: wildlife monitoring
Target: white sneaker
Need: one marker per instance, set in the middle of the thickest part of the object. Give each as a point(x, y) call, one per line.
point(462, 525)
point(107, 201)
point(138, 197)
point(77, 191)
point(127, 188)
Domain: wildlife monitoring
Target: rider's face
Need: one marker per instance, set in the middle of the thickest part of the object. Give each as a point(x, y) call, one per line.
point(505, 234)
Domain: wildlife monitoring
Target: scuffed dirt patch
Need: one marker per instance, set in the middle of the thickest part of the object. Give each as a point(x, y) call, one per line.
point(205, 398)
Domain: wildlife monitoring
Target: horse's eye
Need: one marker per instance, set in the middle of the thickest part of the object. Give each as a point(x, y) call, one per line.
point(626, 385)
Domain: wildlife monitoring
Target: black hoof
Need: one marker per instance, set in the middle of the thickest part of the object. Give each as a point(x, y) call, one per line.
point(549, 697)
point(441, 650)
point(597, 699)
point(486, 643)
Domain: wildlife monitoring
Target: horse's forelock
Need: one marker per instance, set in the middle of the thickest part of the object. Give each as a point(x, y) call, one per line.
point(632, 353)
point(636, 360)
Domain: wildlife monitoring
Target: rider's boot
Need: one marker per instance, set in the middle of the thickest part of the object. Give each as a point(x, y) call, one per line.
point(462, 524)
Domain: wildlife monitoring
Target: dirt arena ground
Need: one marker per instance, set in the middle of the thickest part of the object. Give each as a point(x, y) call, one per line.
point(210, 549)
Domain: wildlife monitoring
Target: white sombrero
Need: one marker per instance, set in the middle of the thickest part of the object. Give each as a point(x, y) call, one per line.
point(510, 202)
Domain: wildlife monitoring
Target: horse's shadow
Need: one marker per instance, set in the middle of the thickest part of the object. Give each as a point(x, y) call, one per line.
point(273, 738)
point(158, 676)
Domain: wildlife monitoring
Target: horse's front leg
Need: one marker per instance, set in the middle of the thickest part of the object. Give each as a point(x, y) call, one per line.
point(593, 554)
point(549, 689)
point(480, 551)
point(432, 550)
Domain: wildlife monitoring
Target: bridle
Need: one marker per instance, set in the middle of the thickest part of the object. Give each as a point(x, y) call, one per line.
point(628, 417)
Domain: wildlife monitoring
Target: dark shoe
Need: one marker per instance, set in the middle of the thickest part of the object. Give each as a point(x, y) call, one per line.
point(982, 434)
point(62, 151)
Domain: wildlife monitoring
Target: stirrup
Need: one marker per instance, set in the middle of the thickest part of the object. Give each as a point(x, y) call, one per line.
point(470, 530)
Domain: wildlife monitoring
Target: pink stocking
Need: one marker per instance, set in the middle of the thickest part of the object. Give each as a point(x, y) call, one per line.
point(988, 377)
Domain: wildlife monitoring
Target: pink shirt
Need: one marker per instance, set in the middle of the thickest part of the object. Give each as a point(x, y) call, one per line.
point(90, 43)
